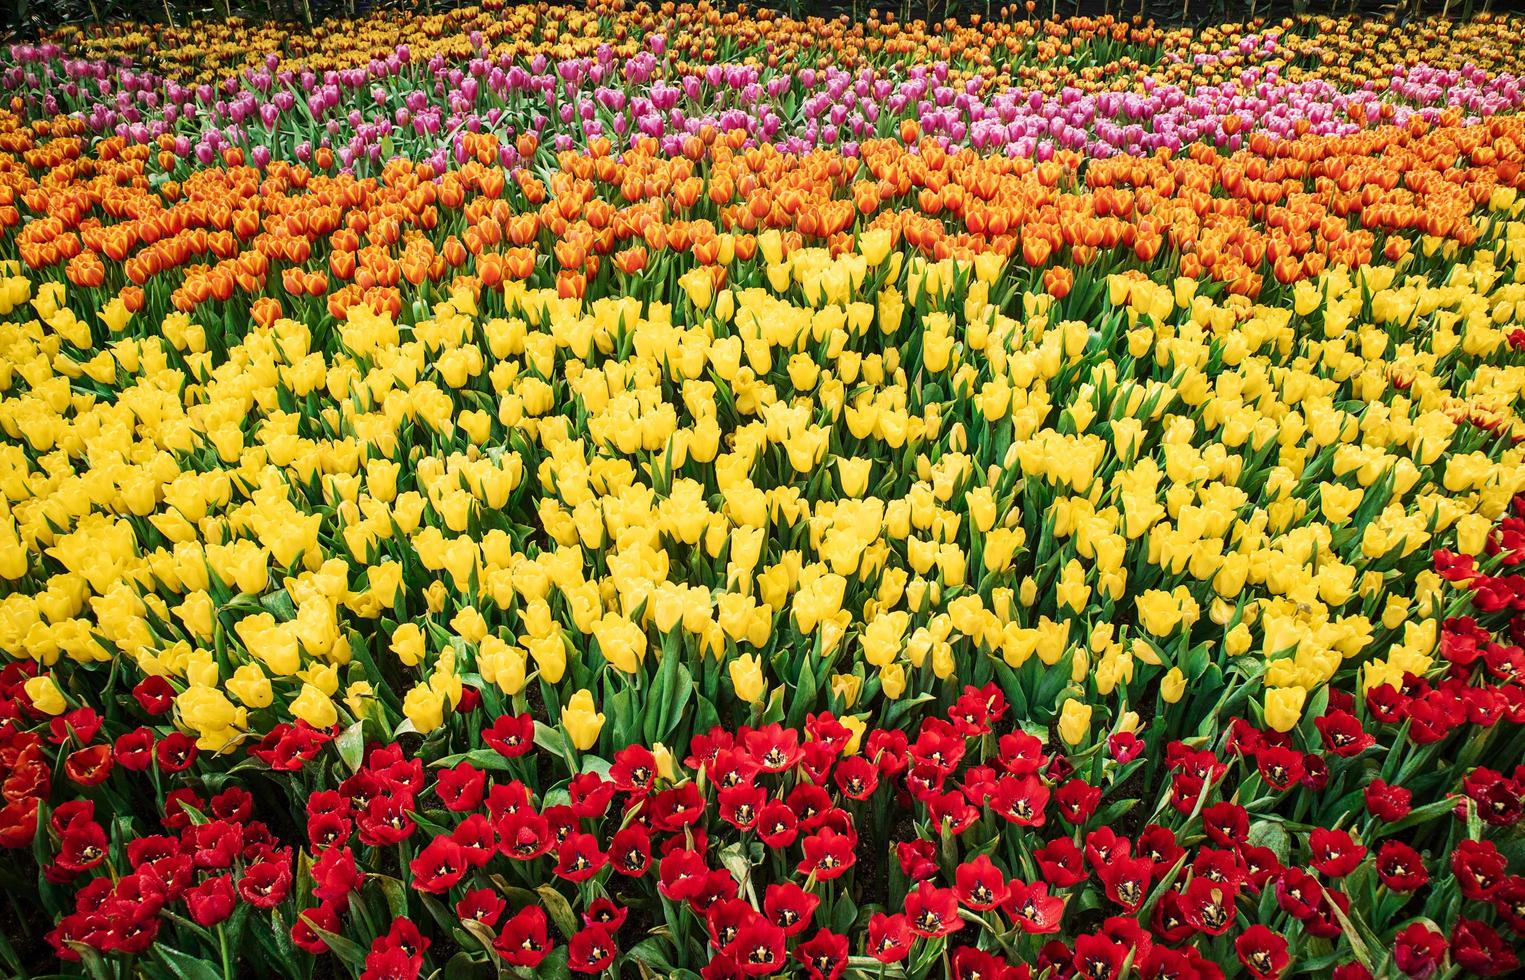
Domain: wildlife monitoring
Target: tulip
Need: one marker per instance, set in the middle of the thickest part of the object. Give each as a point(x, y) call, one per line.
point(747, 678)
point(425, 708)
point(250, 685)
point(1284, 707)
point(45, 696)
point(408, 644)
point(1074, 721)
point(317, 708)
point(580, 721)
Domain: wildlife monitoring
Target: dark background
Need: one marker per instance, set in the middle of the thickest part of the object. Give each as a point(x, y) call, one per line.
point(23, 19)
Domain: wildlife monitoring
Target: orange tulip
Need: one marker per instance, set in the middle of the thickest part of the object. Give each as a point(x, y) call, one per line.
point(1058, 281)
point(519, 263)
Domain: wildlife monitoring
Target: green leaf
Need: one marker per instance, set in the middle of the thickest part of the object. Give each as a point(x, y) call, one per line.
point(186, 966)
point(550, 739)
point(844, 913)
point(554, 966)
point(592, 763)
point(774, 712)
point(347, 950)
point(734, 859)
point(651, 953)
point(662, 693)
point(1312, 710)
point(622, 715)
point(393, 892)
point(1114, 811)
point(705, 716)
point(559, 909)
point(95, 963)
point(481, 758)
point(1360, 938)
point(1053, 681)
point(279, 604)
point(868, 966)
point(275, 936)
point(682, 691)
point(1419, 815)
point(481, 933)
point(445, 917)
point(351, 745)
point(9, 957)
point(899, 709)
point(803, 699)
point(1269, 834)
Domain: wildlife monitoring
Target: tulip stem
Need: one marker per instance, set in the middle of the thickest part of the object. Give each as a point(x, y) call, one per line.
point(222, 942)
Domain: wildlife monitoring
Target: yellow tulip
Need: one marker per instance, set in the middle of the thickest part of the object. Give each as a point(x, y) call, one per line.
point(847, 687)
point(1472, 534)
point(1284, 707)
point(853, 474)
point(550, 656)
point(1074, 721)
point(663, 755)
point(206, 709)
point(425, 708)
point(1158, 612)
point(250, 685)
point(357, 696)
point(747, 678)
point(316, 708)
point(622, 642)
point(45, 696)
point(408, 644)
point(581, 721)
point(699, 286)
point(875, 245)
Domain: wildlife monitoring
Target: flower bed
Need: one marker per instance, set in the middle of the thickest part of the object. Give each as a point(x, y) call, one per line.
point(498, 493)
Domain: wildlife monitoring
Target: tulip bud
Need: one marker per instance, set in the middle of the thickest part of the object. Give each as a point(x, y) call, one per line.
point(423, 706)
point(408, 644)
point(747, 678)
point(581, 721)
point(1173, 685)
point(846, 687)
point(725, 306)
point(875, 245)
point(1284, 707)
point(316, 708)
point(1074, 721)
point(856, 726)
point(1472, 534)
point(45, 695)
point(663, 757)
point(250, 685)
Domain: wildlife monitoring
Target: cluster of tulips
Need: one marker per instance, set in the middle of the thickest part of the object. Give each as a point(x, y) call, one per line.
point(1008, 40)
point(686, 493)
point(359, 97)
point(1367, 840)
